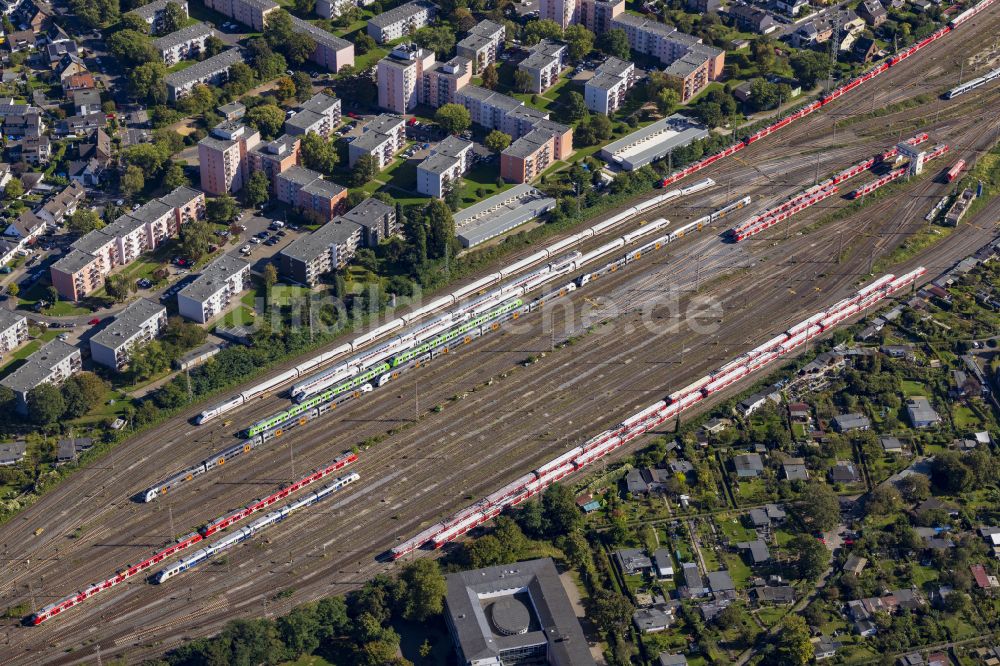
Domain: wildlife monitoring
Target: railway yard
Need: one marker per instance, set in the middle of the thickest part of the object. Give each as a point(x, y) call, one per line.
point(447, 434)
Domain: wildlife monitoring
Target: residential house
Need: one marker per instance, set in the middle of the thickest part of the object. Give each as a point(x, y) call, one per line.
point(756, 550)
point(400, 76)
point(381, 139)
point(154, 12)
point(446, 164)
point(529, 156)
point(668, 659)
point(222, 157)
point(852, 421)
point(12, 453)
point(795, 469)
point(751, 19)
point(57, 209)
point(482, 45)
point(780, 595)
point(920, 412)
point(134, 326)
point(632, 561)
point(377, 220)
point(320, 114)
point(52, 364)
point(212, 291)
point(663, 564)
point(845, 471)
point(865, 49)
point(720, 581)
point(652, 620)
point(891, 445)
point(274, 157)
point(694, 584)
point(873, 13)
point(748, 465)
point(306, 259)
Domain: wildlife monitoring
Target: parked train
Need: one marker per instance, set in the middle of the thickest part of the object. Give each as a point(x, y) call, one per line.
point(534, 482)
point(244, 533)
point(974, 83)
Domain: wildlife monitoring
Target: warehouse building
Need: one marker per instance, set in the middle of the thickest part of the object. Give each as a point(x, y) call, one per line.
point(500, 213)
point(653, 142)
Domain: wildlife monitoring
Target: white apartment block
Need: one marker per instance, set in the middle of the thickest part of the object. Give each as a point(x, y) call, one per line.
point(447, 162)
point(153, 12)
point(319, 115)
point(544, 64)
point(214, 289)
point(483, 44)
point(494, 110)
point(382, 138)
point(214, 70)
point(399, 77)
point(605, 91)
point(52, 364)
point(13, 331)
point(401, 21)
point(184, 44)
point(137, 324)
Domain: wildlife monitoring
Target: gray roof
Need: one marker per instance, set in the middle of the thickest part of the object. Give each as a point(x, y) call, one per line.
point(151, 211)
point(304, 120)
point(232, 108)
point(920, 410)
point(615, 66)
point(73, 261)
point(543, 54)
point(128, 323)
point(470, 603)
point(92, 241)
point(307, 248)
point(181, 196)
point(851, 421)
point(720, 581)
point(692, 577)
point(150, 10)
point(182, 36)
point(748, 462)
point(492, 217)
point(528, 144)
point(300, 175)
point(667, 659)
point(321, 36)
point(486, 28)
point(205, 68)
point(438, 163)
point(38, 366)
point(323, 188)
point(281, 146)
point(9, 319)
point(758, 550)
point(123, 225)
point(320, 103)
point(213, 277)
point(369, 212)
point(384, 123)
point(653, 141)
point(402, 13)
point(498, 100)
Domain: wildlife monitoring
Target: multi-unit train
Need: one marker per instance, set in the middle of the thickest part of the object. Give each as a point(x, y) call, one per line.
point(551, 252)
point(244, 533)
point(186, 542)
point(974, 83)
point(649, 417)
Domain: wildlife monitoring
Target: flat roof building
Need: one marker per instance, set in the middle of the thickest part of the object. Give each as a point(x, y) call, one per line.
point(139, 323)
point(376, 218)
point(514, 611)
point(399, 76)
point(211, 292)
point(528, 157)
point(320, 114)
point(52, 364)
point(653, 142)
point(317, 199)
point(331, 53)
point(153, 12)
point(214, 71)
point(543, 64)
point(500, 213)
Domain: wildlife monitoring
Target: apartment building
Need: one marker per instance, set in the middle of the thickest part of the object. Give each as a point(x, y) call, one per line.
point(320, 114)
point(331, 53)
point(494, 110)
point(399, 77)
point(317, 199)
point(605, 91)
point(451, 158)
point(377, 220)
point(529, 156)
point(483, 44)
point(382, 138)
point(153, 12)
point(275, 157)
point(563, 12)
point(222, 157)
point(252, 13)
point(183, 44)
point(213, 290)
point(687, 59)
point(13, 331)
point(401, 21)
point(137, 324)
point(597, 15)
point(544, 64)
point(61, 206)
point(442, 80)
point(93, 256)
point(52, 364)
point(214, 71)
point(328, 248)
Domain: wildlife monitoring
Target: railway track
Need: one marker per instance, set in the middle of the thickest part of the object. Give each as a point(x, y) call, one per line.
point(419, 443)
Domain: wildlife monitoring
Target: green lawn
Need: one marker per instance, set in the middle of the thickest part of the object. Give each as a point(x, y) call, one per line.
point(369, 59)
point(911, 388)
point(482, 176)
point(965, 418)
point(38, 292)
point(738, 570)
point(30, 348)
point(182, 65)
point(240, 316)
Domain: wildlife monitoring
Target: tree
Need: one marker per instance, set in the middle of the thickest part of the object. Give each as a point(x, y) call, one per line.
point(222, 210)
point(612, 612)
point(175, 176)
point(82, 392)
point(822, 511)
point(600, 125)
point(304, 7)
point(282, 37)
point(270, 279)
point(365, 168)
point(173, 18)
point(268, 119)
point(536, 31)
point(364, 43)
point(132, 21)
point(440, 229)
point(284, 88)
point(793, 646)
point(441, 39)
point(256, 191)
point(949, 474)
point(453, 118)
point(13, 189)
point(13, 290)
point(915, 487)
point(615, 43)
point(303, 86)
point(132, 46)
point(579, 40)
point(813, 556)
point(45, 404)
point(213, 46)
point(577, 107)
point(146, 82)
point(667, 100)
point(497, 141)
point(148, 360)
point(319, 154)
point(810, 67)
point(522, 81)
point(490, 76)
point(710, 113)
point(84, 220)
point(300, 630)
point(884, 500)
point(118, 287)
point(196, 237)
point(96, 13)
point(132, 181)
point(562, 515)
point(763, 53)
point(425, 590)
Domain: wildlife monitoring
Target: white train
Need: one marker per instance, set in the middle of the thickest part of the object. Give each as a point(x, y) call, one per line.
point(559, 263)
point(974, 83)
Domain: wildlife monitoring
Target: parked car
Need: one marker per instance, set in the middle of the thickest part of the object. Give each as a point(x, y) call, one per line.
point(95, 321)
